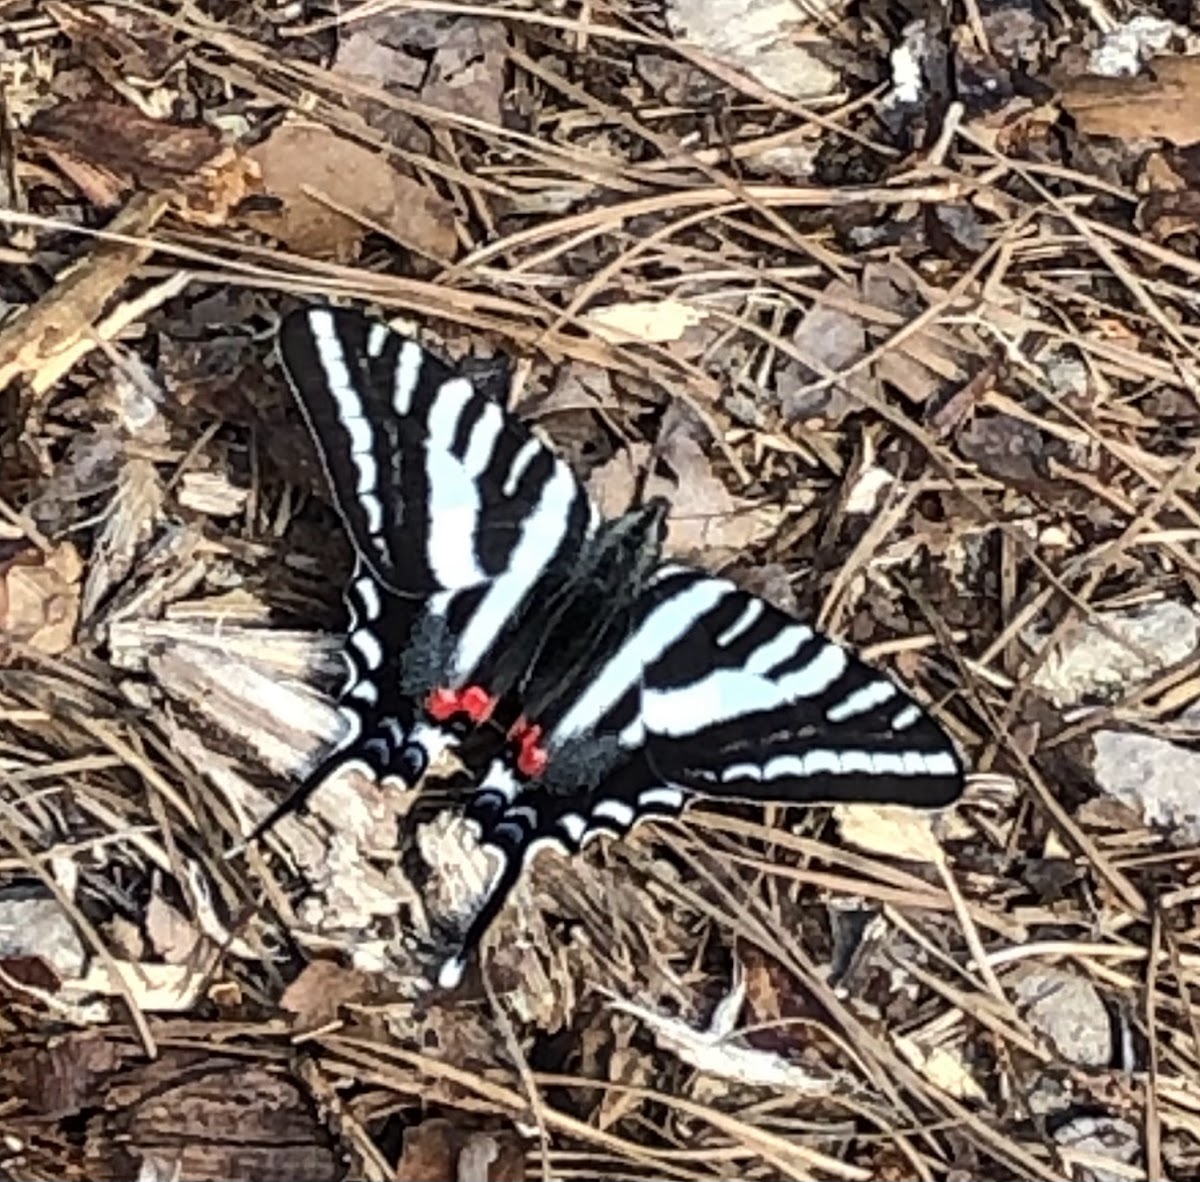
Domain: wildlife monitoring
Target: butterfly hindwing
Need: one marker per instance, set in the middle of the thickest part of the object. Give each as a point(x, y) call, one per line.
point(713, 692)
point(516, 822)
point(788, 714)
point(729, 696)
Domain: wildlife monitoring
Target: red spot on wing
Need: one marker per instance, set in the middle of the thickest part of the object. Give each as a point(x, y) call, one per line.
point(477, 703)
point(531, 756)
point(473, 701)
point(442, 704)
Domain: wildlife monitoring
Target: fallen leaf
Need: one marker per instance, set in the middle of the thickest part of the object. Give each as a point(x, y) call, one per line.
point(759, 38)
point(924, 362)
point(26, 973)
point(704, 518)
point(375, 53)
point(364, 53)
point(888, 829)
point(40, 596)
point(943, 1068)
point(301, 163)
point(467, 74)
point(1007, 449)
point(322, 987)
point(1166, 215)
point(430, 1152)
point(827, 340)
point(833, 336)
point(645, 320)
point(778, 1011)
point(1162, 104)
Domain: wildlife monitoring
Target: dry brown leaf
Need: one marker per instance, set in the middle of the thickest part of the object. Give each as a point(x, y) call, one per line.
point(456, 64)
point(430, 1152)
point(364, 53)
point(943, 1067)
point(643, 320)
point(1007, 449)
point(833, 337)
point(1164, 103)
point(375, 53)
point(467, 75)
point(925, 360)
point(39, 598)
point(321, 989)
point(1167, 214)
point(705, 518)
point(828, 339)
point(301, 163)
point(888, 829)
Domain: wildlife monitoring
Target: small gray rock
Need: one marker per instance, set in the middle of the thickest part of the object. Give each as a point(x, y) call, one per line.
point(1069, 1012)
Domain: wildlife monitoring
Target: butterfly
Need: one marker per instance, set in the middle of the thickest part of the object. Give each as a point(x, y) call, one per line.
point(494, 611)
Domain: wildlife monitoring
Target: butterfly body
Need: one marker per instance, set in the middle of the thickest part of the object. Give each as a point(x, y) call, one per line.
point(596, 684)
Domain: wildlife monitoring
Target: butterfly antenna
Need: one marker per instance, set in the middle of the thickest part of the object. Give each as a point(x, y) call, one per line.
point(642, 480)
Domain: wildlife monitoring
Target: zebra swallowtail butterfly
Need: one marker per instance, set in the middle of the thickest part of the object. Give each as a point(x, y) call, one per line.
point(493, 610)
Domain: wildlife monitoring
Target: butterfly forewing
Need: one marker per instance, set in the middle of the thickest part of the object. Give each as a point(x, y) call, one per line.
point(457, 513)
point(365, 393)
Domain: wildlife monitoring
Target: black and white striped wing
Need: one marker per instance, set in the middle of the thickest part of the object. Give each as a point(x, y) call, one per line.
point(714, 693)
point(749, 703)
point(456, 512)
point(441, 490)
point(728, 696)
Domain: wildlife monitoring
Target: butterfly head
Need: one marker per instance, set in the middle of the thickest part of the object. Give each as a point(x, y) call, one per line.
point(633, 543)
